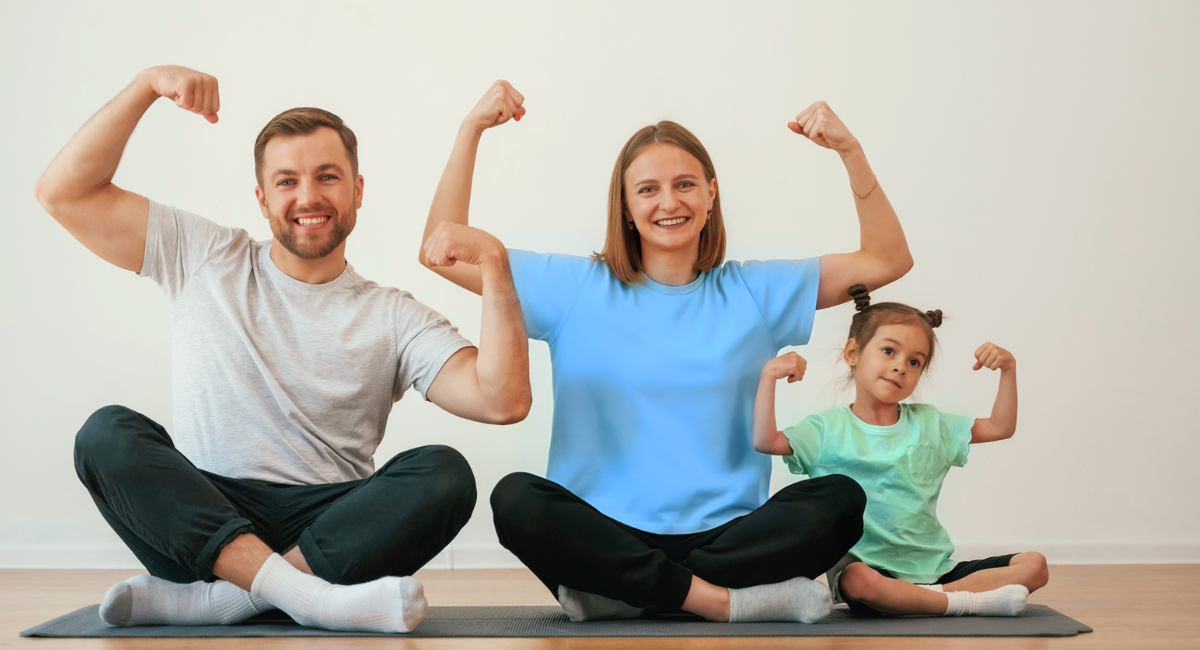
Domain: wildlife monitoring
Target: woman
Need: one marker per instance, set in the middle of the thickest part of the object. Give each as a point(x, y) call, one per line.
point(654, 495)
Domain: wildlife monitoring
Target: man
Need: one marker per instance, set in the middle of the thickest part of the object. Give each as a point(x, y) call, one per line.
point(285, 366)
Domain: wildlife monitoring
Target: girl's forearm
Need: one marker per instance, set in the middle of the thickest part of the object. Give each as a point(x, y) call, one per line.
point(1004, 411)
point(768, 439)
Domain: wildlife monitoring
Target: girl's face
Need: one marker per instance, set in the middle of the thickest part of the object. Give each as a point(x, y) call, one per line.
point(889, 366)
point(668, 198)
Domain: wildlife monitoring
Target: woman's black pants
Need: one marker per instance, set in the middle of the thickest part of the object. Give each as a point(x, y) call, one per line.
point(801, 531)
point(177, 518)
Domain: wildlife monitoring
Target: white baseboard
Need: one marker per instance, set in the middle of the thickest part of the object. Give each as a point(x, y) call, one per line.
point(493, 556)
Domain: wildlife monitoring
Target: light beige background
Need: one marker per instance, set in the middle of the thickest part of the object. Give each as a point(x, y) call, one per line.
point(1042, 158)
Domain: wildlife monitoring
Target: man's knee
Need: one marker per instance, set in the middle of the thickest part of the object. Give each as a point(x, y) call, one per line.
point(105, 443)
point(454, 482)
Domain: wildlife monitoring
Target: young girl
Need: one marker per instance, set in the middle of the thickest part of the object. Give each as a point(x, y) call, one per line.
point(900, 454)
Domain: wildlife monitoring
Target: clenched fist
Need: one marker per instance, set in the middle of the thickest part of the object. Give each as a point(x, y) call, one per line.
point(819, 124)
point(498, 105)
point(790, 365)
point(994, 357)
point(453, 242)
point(190, 90)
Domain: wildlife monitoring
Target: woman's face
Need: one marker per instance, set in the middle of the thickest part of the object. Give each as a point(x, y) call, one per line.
point(668, 198)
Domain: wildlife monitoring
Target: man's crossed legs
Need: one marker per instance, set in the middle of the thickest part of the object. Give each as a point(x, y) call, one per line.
point(348, 545)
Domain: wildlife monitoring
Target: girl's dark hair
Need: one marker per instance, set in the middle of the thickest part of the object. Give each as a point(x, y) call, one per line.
point(870, 318)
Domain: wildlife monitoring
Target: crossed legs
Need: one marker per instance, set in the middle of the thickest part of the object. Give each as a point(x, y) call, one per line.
point(186, 525)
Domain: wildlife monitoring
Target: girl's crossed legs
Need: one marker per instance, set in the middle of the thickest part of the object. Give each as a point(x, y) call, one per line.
point(868, 590)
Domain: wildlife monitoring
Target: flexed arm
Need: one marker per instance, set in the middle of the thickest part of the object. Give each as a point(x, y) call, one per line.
point(883, 256)
point(77, 189)
point(768, 439)
point(1003, 423)
point(452, 200)
point(491, 383)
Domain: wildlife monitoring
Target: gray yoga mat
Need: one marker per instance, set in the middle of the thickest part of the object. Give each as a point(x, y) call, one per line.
point(541, 622)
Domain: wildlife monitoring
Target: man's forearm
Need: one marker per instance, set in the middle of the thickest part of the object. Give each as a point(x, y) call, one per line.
point(89, 161)
point(503, 363)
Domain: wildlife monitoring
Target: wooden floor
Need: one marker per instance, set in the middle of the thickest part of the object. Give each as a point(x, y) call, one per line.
point(1129, 606)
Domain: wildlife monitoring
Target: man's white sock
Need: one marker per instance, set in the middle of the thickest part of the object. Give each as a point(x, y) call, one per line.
point(1008, 600)
point(799, 599)
point(388, 604)
point(146, 600)
point(581, 606)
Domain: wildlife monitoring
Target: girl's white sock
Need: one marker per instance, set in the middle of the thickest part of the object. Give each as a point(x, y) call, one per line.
point(146, 600)
point(385, 605)
point(799, 599)
point(1008, 600)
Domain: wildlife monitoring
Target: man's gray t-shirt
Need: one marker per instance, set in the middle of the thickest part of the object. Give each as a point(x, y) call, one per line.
point(275, 379)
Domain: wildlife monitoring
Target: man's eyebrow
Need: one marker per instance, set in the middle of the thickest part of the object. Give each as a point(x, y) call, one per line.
point(322, 168)
point(328, 166)
point(283, 172)
point(898, 343)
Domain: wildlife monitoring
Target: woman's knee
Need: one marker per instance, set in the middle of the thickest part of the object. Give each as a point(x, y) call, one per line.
point(517, 507)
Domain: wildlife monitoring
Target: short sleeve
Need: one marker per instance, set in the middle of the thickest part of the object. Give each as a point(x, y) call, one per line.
point(786, 294)
point(177, 244)
point(547, 286)
point(806, 438)
point(425, 340)
point(955, 433)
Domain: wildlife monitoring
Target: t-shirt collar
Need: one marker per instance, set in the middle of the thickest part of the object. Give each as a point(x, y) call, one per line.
point(674, 291)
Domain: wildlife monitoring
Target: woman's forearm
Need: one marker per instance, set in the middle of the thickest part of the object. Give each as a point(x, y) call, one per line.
point(452, 200)
point(880, 235)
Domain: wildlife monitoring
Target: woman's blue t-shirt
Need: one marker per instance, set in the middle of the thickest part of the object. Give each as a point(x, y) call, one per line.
point(654, 385)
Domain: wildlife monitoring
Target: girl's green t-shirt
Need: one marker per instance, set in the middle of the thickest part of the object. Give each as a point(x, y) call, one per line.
point(901, 467)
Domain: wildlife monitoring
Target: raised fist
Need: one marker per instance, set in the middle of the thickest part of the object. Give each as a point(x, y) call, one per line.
point(819, 124)
point(790, 365)
point(190, 90)
point(994, 357)
point(498, 105)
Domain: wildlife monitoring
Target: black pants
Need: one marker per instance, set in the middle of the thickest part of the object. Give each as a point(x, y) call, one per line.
point(801, 531)
point(177, 518)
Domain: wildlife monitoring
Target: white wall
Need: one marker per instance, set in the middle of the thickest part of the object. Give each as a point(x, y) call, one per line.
point(1042, 157)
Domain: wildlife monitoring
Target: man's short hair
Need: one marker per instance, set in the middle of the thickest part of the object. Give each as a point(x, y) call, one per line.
point(302, 121)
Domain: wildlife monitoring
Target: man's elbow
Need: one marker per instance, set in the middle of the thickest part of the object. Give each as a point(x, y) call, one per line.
point(514, 410)
point(44, 192)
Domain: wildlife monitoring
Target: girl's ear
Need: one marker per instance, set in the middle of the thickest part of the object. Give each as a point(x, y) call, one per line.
point(850, 354)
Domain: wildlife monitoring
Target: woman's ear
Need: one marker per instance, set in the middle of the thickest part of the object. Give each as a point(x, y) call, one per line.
point(850, 354)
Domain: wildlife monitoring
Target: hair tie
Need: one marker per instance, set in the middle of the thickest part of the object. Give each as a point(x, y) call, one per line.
point(862, 297)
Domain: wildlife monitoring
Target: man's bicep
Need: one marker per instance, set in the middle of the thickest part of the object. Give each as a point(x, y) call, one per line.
point(111, 223)
point(456, 387)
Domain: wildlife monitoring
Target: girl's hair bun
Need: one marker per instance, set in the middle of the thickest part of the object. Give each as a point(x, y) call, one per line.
point(934, 317)
point(862, 298)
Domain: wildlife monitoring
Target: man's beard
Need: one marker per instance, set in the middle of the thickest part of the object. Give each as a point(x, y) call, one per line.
point(309, 248)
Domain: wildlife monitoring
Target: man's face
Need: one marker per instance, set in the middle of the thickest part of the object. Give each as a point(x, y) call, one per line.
point(309, 193)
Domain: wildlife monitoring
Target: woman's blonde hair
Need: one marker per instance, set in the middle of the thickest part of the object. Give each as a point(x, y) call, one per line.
point(623, 246)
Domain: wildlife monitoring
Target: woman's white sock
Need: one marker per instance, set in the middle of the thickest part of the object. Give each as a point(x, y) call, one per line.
point(799, 599)
point(581, 606)
point(146, 600)
point(388, 604)
point(1008, 600)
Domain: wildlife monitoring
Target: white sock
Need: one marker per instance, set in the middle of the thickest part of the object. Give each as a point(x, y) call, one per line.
point(1008, 600)
point(388, 604)
point(581, 606)
point(146, 600)
point(937, 588)
point(799, 599)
